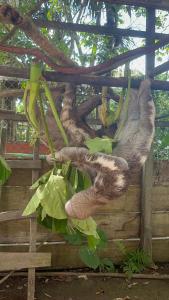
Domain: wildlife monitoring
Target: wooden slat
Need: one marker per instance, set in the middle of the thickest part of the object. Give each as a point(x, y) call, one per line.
point(25, 164)
point(11, 216)
point(17, 197)
point(14, 197)
point(146, 206)
point(17, 261)
point(163, 4)
point(33, 230)
point(11, 115)
point(67, 256)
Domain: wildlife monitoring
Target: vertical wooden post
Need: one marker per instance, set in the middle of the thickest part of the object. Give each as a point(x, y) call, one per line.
point(2, 144)
point(146, 206)
point(147, 175)
point(33, 231)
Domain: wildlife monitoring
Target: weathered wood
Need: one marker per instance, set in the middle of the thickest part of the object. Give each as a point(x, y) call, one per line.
point(17, 261)
point(25, 164)
point(146, 206)
point(33, 230)
point(67, 256)
point(101, 30)
point(11, 115)
point(76, 274)
point(164, 4)
point(11, 216)
point(82, 79)
point(2, 147)
point(150, 29)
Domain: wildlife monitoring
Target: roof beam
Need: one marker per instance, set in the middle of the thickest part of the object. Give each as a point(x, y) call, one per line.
point(163, 4)
point(103, 30)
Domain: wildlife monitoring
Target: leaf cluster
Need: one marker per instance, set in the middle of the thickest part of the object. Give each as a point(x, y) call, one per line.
point(134, 261)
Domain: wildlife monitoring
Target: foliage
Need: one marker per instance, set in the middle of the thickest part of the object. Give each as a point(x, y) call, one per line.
point(97, 144)
point(5, 171)
point(134, 261)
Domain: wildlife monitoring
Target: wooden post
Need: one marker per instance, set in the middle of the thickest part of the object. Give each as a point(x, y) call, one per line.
point(146, 206)
point(33, 230)
point(147, 175)
point(2, 145)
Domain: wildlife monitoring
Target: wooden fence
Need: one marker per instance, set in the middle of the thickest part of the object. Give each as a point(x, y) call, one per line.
point(121, 219)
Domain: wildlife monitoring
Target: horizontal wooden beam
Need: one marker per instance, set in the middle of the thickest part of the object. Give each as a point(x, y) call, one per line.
point(18, 261)
point(163, 4)
point(24, 164)
point(83, 79)
point(12, 215)
point(12, 116)
point(101, 30)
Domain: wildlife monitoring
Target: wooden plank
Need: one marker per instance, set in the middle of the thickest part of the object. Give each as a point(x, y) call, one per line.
point(116, 226)
point(150, 29)
point(83, 79)
point(67, 256)
point(11, 216)
point(11, 115)
point(146, 206)
point(33, 231)
point(15, 197)
point(17, 261)
point(163, 4)
point(25, 164)
point(101, 30)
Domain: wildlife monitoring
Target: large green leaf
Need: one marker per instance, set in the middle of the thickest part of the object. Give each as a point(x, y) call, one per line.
point(54, 197)
point(5, 170)
point(43, 179)
point(87, 226)
point(89, 257)
point(34, 202)
point(99, 145)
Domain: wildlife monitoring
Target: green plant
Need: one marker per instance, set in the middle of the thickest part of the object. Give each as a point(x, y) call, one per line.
point(5, 171)
point(134, 261)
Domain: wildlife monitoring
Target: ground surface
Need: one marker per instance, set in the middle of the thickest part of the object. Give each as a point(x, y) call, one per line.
point(67, 288)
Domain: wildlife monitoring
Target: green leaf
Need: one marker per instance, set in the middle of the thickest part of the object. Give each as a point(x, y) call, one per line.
point(87, 226)
point(99, 145)
point(59, 226)
point(92, 242)
point(5, 170)
point(54, 197)
point(43, 179)
point(103, 241)
point(74, 238)
point(107, 265)
point(34, 202)
point(89, 257)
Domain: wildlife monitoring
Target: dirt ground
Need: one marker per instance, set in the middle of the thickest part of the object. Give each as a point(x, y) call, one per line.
point(68, 288)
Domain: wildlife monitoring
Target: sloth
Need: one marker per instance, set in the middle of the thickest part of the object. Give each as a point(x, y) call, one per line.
point(110, 173)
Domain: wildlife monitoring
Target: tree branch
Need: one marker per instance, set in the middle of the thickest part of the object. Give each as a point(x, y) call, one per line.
point(9, 15)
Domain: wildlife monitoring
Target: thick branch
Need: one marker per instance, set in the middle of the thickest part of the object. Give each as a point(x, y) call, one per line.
point(87, 106)
point(9, 35)
point(9, 15)
point(30, 51)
